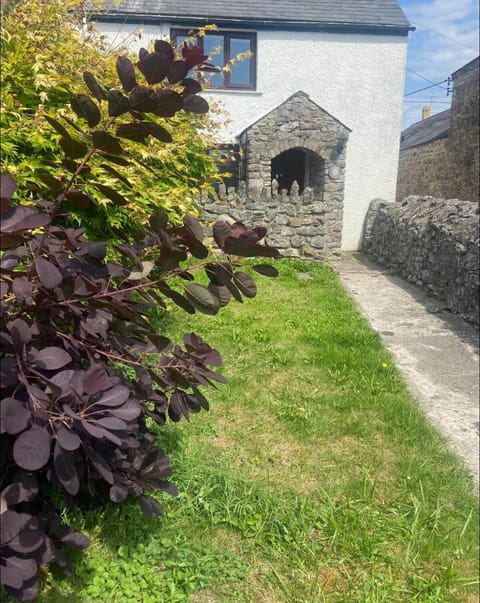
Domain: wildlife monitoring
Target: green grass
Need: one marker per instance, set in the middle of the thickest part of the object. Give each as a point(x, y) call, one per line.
point(313, 478)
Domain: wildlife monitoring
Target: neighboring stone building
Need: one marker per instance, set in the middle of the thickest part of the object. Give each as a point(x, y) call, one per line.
point(439, 156)
point(319, 102)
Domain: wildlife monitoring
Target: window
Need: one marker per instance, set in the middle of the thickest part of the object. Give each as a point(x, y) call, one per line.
point(222, 47)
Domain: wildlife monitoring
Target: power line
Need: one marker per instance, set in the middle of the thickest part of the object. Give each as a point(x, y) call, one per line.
point(427, 87)
point(424, 78)
point(445, 36)
point(428, 102)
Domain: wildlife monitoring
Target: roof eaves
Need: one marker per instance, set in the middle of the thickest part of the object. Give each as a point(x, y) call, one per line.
point(334, 26)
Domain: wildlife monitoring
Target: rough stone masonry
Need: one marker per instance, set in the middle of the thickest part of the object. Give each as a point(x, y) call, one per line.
point(431, 242)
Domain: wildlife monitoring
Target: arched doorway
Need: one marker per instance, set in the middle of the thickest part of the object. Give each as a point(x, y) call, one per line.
point(302, 166)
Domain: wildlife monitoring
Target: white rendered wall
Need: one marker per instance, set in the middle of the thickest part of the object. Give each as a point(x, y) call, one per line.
point(357, 78)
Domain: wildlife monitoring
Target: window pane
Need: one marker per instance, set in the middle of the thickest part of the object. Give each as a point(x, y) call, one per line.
point(214, 47)
point(240, 71)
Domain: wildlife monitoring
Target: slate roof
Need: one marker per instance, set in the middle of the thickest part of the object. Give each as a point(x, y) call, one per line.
point(425, 131)
point(317, 14)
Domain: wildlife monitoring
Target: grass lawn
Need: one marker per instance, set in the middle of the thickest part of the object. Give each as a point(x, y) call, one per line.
point(313, 478)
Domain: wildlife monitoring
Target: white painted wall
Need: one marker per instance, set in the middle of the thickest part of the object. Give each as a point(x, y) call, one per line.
point(357, 78)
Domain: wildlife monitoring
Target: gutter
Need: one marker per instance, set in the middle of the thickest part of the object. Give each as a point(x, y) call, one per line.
point(299, 25)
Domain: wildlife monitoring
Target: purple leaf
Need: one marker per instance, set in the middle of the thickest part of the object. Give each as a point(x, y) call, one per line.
point(31, 450)
point(115, 396)
point(8, 372)
point(12, 524)
point(177, 72)
point(100, 464)
point(111, 193)
point(245, 283)
point(154, 67)
point(22, 287)
point(99, 433)
point(52, 358)
point(94, 87)
point(106, 142)
point(266, 270)
point(117, 103)
point(126, 73)
point(17, 570)
point(27, 541)
point(63, 562)
point(67, 439)
point(18, 492)
point(149, 506)
point(85, 107)
point(112, 423)
point(191, 86)
point(27, 592)
point(157, 131)
point(14, 417)
point(128, 411)
point(21, 218)
point(167, 103)
point(221, 231)
point(167, 487)
point(76, 541)
point(163, 48)
point(195, 104)
point(96, 380)
point(65, 469)
point(20, 331)
point(49, 275)
point(118, 494)
point(202, 299)
point(7, 186)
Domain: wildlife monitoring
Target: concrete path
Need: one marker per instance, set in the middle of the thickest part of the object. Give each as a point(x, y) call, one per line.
point(436, 351)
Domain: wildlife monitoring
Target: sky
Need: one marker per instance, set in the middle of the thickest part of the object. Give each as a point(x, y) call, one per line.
point(445, 39)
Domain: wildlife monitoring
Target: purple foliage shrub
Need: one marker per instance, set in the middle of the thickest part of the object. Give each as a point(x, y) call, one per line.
point(74, 311)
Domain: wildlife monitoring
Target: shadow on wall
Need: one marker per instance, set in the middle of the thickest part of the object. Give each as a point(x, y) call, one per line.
point(433, 243)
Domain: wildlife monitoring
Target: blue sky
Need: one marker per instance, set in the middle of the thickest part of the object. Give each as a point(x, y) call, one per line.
point(446, 38)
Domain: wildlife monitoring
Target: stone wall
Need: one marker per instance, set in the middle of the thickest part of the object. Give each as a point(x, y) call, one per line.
point(464, 135)
point(295, 222)
point(423, 169)
point(449, 167)
point(299, 123)
point(431, 242)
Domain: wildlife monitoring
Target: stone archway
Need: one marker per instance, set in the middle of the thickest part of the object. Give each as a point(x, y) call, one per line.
point(301, 126)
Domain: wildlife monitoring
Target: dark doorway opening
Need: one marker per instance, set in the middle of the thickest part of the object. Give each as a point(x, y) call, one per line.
point(289, 166)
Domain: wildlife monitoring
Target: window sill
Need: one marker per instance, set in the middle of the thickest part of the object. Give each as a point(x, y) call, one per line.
point(231, 91)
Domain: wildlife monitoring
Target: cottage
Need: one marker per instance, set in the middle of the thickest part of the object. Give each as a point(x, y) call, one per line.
point(318, 104)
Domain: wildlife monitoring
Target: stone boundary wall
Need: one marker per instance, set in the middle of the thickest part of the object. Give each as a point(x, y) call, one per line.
point(431, 242)
point(423, 169)
point(296, 223)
